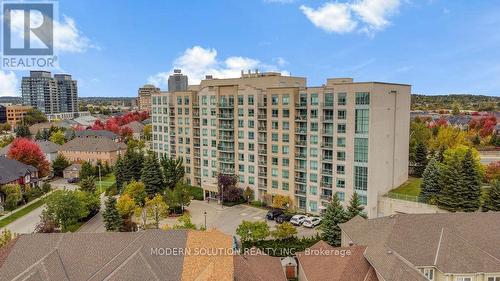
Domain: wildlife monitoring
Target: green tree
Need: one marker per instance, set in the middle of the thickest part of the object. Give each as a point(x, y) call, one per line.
point(87, 170)
point(248, 194)
point(284, 231)
point(173, 171)
point(334, 215)
point(112, 219)
point(22, 131)
point(430, 187)
point(355, 208)
point(471, 184)
point(133, 162)
point(492, 201)
point(119, 173)
point(253, 231)
point(419, 133)
point(420, 159)
point(34, 116)
point(137, 191)
point(13, 196)
point(66, 208)
point(148, 129)
point(456, 109)
point(156, 209)
point(179, 197)
point(58, 137)
point(184, 222)
point(59, 164)
point(450, 196)
point(152, 176)
point(88, 184)
point(126, 206)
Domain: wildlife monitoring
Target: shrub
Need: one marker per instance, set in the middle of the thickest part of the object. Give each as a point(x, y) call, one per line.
point(196, 192)
point(112, 190)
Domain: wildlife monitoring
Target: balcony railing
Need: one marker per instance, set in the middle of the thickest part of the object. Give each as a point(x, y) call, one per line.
point(226, 127)
point(262, 128)
point(226, 105)
point(226, 148)
point(226, 159)
point(300, 130)
point(326, 184)
point(327, 158)
point(325, 197)
point(262, 163)
point(301, 142)
point(327, 172)
point(300, 118)
point(327, 144)
point(301, 104)
point(262, 116)
point(262, 140)
point(226, 138)
point(300, 192)
point(300, 155)
point(262, 151)
point(225, 116)
point(300, 179)
point(327, 118)
point(327, 104)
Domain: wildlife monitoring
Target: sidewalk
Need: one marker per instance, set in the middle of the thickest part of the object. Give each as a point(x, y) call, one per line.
point(26, 205)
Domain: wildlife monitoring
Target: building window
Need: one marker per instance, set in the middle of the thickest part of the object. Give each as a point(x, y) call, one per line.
point(362, 98)
point(274, 100)
point(313, 206)
point(275, 184)
point(341, 128)
point(340, 155)
point(340, 183)
point(342, 98)
point(285, 186)
point(360, 178)
point(341, 114)
point(314, 99)
point(497, 278)
point(463, 279)
point(341, 142)
point(361, 150)
point(361, 123)
point(429, 273)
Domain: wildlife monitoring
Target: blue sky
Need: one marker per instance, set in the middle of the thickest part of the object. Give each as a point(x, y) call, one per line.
point(438, 46)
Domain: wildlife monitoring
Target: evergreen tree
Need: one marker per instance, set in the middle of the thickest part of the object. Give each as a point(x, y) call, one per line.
point(492, 202)
point(152, 175)
point(88, 184)
point(87, 170)
point(450, 197)
point(119, 173)
point(430, 186)
point(355, 208)
point(22, 131)
point(38, 135)
point(133, 163)
point(112, 219)
point(334, 215)
point(173, 170)
point(440, 154)
point(471, 184)
point(420, 159)
point(59, 164)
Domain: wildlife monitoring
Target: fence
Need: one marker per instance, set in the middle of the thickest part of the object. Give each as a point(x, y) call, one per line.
point(405, 197)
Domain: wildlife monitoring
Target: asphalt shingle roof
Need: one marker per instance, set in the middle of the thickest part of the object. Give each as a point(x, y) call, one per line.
point(98, 144)
point(11, 170)
point(452, 242)
point(96, 133)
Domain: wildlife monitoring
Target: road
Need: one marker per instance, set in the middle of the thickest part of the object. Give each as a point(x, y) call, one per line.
point(28, 222)
point(95, 224)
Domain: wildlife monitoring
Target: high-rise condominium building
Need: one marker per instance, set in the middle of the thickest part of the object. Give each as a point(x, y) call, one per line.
point(50, 94)
point(281, 137)
point(177, 82)
point(144, 96)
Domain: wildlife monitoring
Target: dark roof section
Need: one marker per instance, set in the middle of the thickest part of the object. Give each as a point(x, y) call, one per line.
point(96, 133)
point(47, 147)
point(135, 126)
point(397, 240)
point(324, 262)
point(95, 256)
point(259, 267)
point(11, 170)
point(97, 144)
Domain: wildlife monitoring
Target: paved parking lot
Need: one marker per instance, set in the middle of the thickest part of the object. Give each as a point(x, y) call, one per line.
point(227, 219)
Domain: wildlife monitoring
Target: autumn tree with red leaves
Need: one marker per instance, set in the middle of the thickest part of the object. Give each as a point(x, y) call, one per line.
point(29, 153)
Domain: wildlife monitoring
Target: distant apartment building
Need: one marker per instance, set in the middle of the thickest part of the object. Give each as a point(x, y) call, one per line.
point(144, 96)
point(177, 82)
point(49, 94)
point(281, 137)
point(3, 114)
point(16, 113)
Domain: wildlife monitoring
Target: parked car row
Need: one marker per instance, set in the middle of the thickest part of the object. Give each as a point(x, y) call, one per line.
point(280, 217)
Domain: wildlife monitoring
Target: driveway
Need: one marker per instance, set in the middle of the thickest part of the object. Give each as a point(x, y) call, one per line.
point(28, 222)
point(227, 219)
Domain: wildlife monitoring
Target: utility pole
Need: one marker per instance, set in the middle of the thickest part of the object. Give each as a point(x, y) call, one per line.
point(100, 180)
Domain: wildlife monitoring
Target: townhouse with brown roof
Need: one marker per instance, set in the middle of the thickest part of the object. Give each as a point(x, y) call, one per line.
point(437, 247)
point(147, 255)
point(137, 129)
point(92, 150)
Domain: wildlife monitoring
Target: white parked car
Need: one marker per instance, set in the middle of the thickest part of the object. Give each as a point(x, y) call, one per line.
point(297, 219)
point(311, 222)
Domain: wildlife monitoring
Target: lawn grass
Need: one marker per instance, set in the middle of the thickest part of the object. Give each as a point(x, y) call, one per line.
point(410, 187)
point(107, 181)
point(22, 212)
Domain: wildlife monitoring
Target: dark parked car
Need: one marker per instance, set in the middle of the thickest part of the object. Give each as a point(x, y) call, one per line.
point(73, 180)
point(273, 214)
point(283, 218)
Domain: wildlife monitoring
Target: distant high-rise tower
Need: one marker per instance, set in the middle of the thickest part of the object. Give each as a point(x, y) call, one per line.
point(177, 82)
point(144, 98)
point(50, 94)
point(68, 91)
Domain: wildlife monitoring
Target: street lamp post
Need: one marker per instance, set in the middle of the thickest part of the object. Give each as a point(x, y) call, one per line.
point(100, 180)
point(205, 213)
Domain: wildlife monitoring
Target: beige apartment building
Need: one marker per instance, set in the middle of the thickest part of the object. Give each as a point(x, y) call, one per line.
point(16, 113)
point(281, 137)
point(144, 97)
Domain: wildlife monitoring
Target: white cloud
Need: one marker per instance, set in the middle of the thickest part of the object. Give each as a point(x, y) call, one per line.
point(196, 62)
point(8, 83)
point(67, 37)
point(374, 13)
point(331, 17)
point(368, 15)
